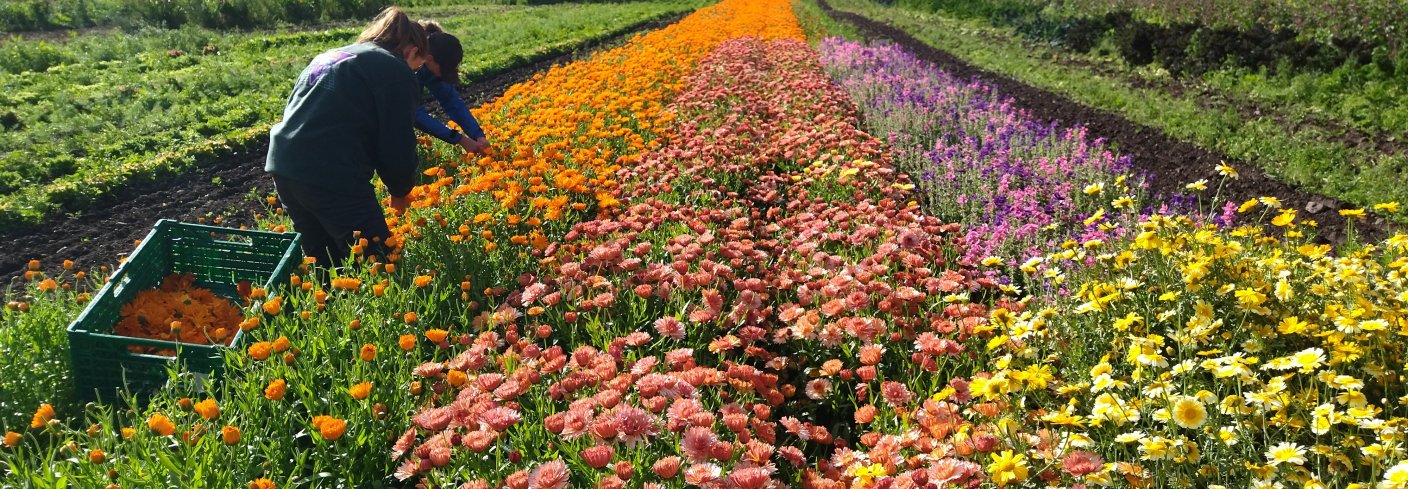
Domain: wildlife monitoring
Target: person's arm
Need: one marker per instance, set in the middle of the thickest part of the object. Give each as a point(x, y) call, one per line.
point(454, 106)
point(396, 161)
point(432, 126)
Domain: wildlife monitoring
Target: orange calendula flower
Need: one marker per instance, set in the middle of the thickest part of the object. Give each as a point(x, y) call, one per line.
point(407, 342)
point(97, 456)
point(207, 409)
point(379, 290)
point(262, 483)
point(274, 306)
point(436, 335)
point(275, 390)
point(346, 283)
point(48, 285)
point(456, 378)
point(329, 428)
point(128, 433)
point(281, 344)
point(161, 425)
point(230, 435)
point(368, 352)
point(360, 391)
point(260, 351)
point(410, 317)
point(422, 281)
point(12, 439)
point(42, 416)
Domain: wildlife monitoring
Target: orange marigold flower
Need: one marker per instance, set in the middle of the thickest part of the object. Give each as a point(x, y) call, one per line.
point(368, 352)
point(128, 433)
point(42, 416)
point(274, 306)
point(161, 425)
point(97, 456)
point(422, 281)
point(262, 483)
point(260, 351)
point(207, 409)
point(360, 391)
point(230, 435)
point(48, 285)
point(346, 283)
point(249, 324)
point(407, 342)
point(436, 335)
point(12, 439)
point(281, 344)
point(379, 290)
point(275, 390)
point(410, 317)
point(456, 378)
point(34, 265)
point(329, 428)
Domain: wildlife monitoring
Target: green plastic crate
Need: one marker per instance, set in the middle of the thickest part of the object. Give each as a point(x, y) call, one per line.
point(218, 257)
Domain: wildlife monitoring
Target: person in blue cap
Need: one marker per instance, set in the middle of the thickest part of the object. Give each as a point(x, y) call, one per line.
point(441, 76)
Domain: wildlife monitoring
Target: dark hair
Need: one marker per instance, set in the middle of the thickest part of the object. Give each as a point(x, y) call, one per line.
point(394, 31)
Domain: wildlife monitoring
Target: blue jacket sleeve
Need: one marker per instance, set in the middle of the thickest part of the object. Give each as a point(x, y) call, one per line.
point(432, 126)
point(454, 106)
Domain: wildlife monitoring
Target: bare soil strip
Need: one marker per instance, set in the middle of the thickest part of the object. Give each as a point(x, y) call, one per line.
point(106, 232)
point(1168, 163)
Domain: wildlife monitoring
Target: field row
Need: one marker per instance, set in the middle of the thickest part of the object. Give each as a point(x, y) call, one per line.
point(85, 117)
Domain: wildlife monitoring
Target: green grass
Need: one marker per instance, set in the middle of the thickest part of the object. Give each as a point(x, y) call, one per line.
point(93, 113)
point(1308, 158)
point(818, 25)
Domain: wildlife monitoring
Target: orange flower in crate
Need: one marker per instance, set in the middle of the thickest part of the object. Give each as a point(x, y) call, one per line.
point(180, 311)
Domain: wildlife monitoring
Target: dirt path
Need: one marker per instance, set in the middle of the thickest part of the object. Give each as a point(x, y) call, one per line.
point(107, 231)
point(1169, 163)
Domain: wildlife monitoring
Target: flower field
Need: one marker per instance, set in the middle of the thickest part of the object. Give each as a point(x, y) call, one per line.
point(719, 256)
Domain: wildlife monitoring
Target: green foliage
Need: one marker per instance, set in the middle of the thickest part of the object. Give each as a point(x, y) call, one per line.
point(85, 115)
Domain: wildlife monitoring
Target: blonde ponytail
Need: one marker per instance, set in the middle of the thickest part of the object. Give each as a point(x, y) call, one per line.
point(394, 31)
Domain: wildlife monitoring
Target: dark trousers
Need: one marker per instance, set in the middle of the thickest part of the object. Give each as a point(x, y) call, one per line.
point(329, 220)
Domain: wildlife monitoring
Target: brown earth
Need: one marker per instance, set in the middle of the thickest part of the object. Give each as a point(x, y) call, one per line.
point(1168, 163)
point(219, 188)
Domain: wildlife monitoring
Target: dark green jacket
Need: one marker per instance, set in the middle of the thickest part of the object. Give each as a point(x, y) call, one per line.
point(351, 113)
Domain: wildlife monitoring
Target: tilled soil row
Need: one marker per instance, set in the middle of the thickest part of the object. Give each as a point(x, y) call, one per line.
point(1168, 163)
point(107, 231)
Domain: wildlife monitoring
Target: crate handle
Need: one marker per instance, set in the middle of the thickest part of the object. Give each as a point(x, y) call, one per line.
point(119, 282)
point(233, 239)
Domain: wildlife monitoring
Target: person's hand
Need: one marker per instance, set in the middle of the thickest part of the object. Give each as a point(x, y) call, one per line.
point(474, 145)
point(401, 203)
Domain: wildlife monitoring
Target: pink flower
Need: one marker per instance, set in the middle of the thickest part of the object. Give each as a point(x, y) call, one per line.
point(750, 478)
point(895, 393)
point(817, 389)
point(598, 456)
point(500, 418)
point(635, 425)
point(670, 327)
point(667, 467)
point(551, 475)
point(698, 443)
point(1081, 462)
point(434, 419)
point(478, 441)
point(700, 474)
